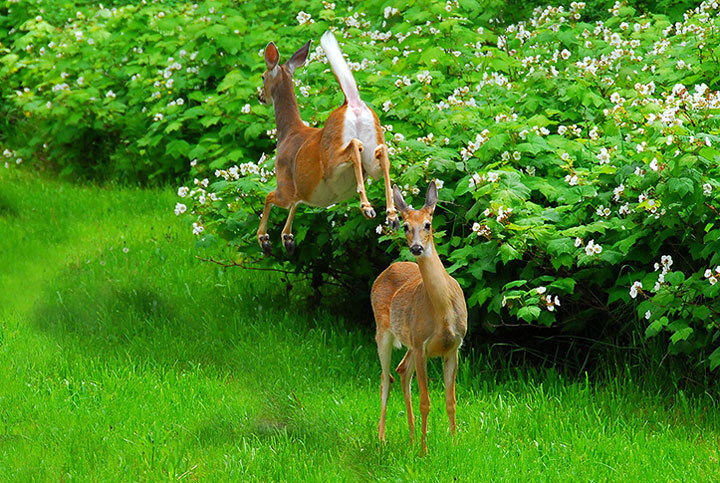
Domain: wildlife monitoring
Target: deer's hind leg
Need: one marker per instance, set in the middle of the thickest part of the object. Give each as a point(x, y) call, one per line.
point(381, 155)
point(351, 153)
point(283, 196)
point(385, 345)
point(406, 369)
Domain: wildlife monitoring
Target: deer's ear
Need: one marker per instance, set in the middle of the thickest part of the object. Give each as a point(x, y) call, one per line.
point(298, 58)
point(272, 56)
point(431, 197)
point(399, 200)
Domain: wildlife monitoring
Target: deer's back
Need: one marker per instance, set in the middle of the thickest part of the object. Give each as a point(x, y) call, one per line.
point(386, 286)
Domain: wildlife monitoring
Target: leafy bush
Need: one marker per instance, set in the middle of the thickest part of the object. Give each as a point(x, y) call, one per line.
point(576, 159)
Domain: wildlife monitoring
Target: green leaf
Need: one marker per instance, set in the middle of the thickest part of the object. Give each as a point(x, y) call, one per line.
point(507, 253)
point(682, 186)
point(529, 313)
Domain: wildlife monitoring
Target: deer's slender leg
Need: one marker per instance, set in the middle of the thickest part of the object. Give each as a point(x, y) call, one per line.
point(385, 346)
point(282, 196)
point(352, 151)
point(421, 368)
point(287, 237)
point(450, 365)
point(262, 236)
point(381, 154)
point(406, 369)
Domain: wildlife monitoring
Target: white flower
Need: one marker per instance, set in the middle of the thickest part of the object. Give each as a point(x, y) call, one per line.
point(634, 289)
point(245, 109)
point(180, 208)
point(603, 156)
point(708, 273)
point(126, 249)
point(379, 229)
point(158, 116)
point(476, 228)
point(541, 290)
point(666, 261)
point(387, 105)
point(492, 177)
point(707, 189)
point(424, 77)
point(654, 164)
point(578, 242)
point(439, 184)
point(110, 94)
point(303, 18)
point(648, 314)
point(591, 248)
point(712, 280)
point(197, 228)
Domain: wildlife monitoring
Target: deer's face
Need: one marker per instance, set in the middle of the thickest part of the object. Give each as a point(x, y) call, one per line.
point(418, 231)
point(276, 74)
point(417, 224)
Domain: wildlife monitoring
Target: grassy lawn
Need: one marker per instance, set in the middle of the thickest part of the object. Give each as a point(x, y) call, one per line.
point(145, 364)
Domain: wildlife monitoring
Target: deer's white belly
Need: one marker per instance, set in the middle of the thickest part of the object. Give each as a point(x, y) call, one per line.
point(340, 186)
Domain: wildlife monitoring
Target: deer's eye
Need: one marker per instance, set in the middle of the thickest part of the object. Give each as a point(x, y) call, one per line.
point(428, 225)
point(406, 228)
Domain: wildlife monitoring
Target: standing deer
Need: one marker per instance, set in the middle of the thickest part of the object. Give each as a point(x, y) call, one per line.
point(321, 167)
point(423, 308)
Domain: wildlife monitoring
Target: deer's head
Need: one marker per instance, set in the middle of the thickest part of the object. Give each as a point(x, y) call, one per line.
point(418, 223)
point(277, 74)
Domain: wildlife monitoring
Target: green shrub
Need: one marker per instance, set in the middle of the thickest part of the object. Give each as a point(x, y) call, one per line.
point(573, 156)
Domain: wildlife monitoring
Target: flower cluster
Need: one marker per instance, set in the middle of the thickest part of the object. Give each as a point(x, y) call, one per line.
point(713, 276)
point(480, 139)
point(549, 301)
point(477, 179)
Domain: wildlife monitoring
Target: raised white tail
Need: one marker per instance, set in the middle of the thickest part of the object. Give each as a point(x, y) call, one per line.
point(341, 69)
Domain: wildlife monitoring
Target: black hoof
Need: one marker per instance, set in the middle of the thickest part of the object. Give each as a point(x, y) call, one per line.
point(393, 223)
point(289, 244)
point(265, 244)
point(368, 212)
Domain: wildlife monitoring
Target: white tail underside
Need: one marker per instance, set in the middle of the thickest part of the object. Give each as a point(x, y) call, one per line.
point(341, 69)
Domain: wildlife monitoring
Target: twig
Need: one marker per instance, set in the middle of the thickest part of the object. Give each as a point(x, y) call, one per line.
point(242, 265)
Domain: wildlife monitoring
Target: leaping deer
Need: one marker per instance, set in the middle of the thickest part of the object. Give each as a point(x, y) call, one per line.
point(423, 308)
point(321, 167)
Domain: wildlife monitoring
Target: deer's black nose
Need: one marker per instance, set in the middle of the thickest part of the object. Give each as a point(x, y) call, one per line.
point(416, 250)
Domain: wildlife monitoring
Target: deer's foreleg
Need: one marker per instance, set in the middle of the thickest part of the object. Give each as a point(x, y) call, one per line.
point(421, 368)
point(450, 366)
point(283, 196)
point(381, 155)
point(287, 237)
point(262, 236)
point(352, 153)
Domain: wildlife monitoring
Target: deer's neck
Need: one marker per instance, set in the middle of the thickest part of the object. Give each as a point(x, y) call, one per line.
point(287, 115)
point(436, 281)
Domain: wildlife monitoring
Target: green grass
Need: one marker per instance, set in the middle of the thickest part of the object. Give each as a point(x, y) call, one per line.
point(149, 365)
